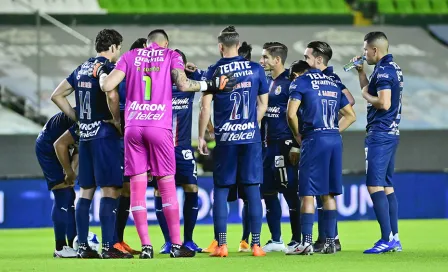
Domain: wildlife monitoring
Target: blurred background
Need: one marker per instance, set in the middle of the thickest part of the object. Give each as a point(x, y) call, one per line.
point(43, 41)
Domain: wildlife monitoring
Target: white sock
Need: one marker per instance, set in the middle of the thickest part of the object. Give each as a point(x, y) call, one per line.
point(391, 236)
point(396, 238)
point(337, 237)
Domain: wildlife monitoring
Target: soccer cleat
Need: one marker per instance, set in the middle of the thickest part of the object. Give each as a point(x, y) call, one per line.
point(337, 242)
point(147, 252)
point(257, 251)
point(274, 246)
point(381, 247)
point(398, 247)
point(86, 252)
point(129, 249)
point(178, 251)
point(244, 247)
point(211, 248)
point(119, 247)
point(165, 249)
point(319, 245)
point(329, 249)
point(302, 249)
point(192, 246)
point(114, 253)
point(291, 246)
point(65, 252)
point(220, 251)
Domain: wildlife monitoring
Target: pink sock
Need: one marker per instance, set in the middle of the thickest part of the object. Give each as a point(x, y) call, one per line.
point(170, 206)
point(138, 207)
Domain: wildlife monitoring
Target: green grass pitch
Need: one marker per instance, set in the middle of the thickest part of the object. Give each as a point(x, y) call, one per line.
point(423, 244)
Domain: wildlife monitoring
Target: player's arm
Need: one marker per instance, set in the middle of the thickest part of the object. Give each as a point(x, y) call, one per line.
point(204, 118)
point(183, 83)
point(348, 117)
point(380, 102)
point(75, 160)
point(293, 120)
point(62, 149)
point(349, 96)
point(262, 106)
point(111, 81)
point(59, 97)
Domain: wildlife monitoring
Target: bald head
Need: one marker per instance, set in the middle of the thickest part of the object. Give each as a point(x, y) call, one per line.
point(376, 46)
point(158, 36)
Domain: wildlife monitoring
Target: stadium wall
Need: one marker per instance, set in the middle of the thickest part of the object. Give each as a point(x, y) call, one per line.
point(413, 191)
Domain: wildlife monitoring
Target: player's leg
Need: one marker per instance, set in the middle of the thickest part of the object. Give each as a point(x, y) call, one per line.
point(190, 212)
point(71, 222)
point(250, 165)
point(392, 199)
point(108, 176)
point(377, 161)
point(166, 247)
point(320, 242)
point(244, 244)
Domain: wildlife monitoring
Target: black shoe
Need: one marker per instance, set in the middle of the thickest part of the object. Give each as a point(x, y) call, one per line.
point(147, 252)
point(318, 245)
point(178, 251)
point(113, 253)
point(86, 252)
point(329, 249)
point(338, 245)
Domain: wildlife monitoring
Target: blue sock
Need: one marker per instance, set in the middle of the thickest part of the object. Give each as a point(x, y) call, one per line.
point(330, 225)
point(71, 222)
point(292, 198)
point(220, 213)
point(190, 215)
point(246, 222)
point(59, 215)
point(161, 218)
point(320, 219)
point(381, 208)
point(273, 215)
point(255, 211)
point(307, 220)
point(82, 219)
point(393, 212)
point(108, 208)
point(336, 232)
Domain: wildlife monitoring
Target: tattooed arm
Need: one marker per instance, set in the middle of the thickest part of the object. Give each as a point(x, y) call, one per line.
point(183, 83)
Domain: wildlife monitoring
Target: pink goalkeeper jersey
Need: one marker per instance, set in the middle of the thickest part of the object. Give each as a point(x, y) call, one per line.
point(149, 85)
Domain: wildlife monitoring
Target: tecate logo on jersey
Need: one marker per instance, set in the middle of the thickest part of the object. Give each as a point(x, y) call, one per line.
point(89, 130)
point(273, 112)
point(137, 111)
point(180, 103)
point(239, 132)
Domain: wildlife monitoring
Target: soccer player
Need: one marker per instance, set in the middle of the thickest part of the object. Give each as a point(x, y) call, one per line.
point(237, 191)
point(60, 183)
point(99, 143)
point(280, 170)
point(148, 138)
point(237, 155)
point(317, 55)
point(383, 93)
point(315, 100)
point(186, 170)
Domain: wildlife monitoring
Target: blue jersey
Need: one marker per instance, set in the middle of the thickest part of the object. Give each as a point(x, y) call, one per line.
point(321, 99)
point(275, 124)
point(122, 94)
point(386, 75)
point(235, 112)
point(183, 113)
point(329, 72)
point(56, 126)
point(92, 106)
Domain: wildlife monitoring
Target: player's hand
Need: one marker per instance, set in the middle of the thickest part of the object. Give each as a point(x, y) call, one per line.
point(98, 69)
point(202, 147)
point(221, 83)
point(70, 177)
point(116, 124)
point(190, 67)
point(294, 155)
point(358, 67)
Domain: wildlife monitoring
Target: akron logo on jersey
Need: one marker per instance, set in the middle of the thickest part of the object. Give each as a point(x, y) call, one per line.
point(278, 90)
point(188, 155)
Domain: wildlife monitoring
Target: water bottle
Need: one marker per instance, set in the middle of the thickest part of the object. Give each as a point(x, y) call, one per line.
point(352, 64)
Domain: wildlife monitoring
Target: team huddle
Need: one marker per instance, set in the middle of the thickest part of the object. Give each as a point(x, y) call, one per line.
point(277, 130)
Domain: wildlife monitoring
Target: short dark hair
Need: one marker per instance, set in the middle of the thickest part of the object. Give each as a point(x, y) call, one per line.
point(184, 58)
point(229, 37)
point(321, 49)
point(277, 49)
point(157, 33)
point(373, 36)
point(139, 43)
point(245, 51)
point(298, 66)
point(106, 38)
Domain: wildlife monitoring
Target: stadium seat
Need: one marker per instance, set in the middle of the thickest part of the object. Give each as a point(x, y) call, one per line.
point(423, 7)
point(340, 7)
point(322, 6)
point(154, 6)
point(386, 7)
point(440, 6)
point(404, 7)
point(252, 7)
point(304, 7)
point(207, 6)
point(272, 7)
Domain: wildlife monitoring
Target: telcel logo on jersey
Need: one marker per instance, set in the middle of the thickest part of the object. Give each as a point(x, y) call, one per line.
point(239, 132)
point(180, 103)
point(137, 111)
point(272, 112)
point(89, 130)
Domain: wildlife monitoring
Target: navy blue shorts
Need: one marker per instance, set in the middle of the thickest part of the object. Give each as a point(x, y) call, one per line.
point(49, 163)
point(125, 178)
point(380, 149)
point(279, 174)
point(241, 164)
point(186, 169)
point(321, 165)
point(99, 163)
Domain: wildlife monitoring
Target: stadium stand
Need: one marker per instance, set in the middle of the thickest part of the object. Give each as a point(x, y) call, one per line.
point(51, 6)
point(12, 123)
